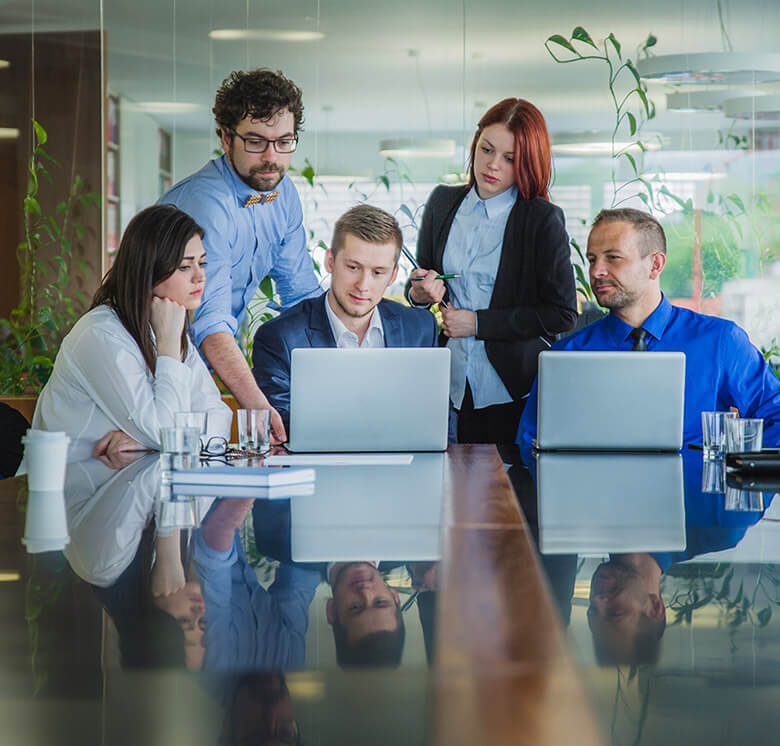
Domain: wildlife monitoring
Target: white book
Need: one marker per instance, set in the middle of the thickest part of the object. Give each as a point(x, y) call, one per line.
point(243, 476)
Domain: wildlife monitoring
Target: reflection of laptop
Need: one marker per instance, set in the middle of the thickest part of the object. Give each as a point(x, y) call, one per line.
point(371, 513)
point(610, 401)
point(616, 502)
point(389, 399)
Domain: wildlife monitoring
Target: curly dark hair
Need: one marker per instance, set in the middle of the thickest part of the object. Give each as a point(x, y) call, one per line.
point(258, 93)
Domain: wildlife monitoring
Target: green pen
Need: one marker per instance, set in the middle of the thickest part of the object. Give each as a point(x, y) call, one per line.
point(438, 277)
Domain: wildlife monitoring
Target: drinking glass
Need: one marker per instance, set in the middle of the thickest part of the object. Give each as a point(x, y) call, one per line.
point(713, 430)
point(179, 449)
point(254, 429)
point(744, 435)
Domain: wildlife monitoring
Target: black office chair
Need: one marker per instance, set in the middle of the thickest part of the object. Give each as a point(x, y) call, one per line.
point(13, 426)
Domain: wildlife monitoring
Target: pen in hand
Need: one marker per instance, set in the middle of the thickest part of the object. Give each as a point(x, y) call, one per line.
point(438, 277)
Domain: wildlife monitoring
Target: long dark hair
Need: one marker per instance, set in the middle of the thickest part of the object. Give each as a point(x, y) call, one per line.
point(533, 159)
point(151, 250)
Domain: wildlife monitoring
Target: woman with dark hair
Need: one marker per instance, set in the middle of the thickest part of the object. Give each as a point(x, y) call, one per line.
point(127, 366)
point(515, 289)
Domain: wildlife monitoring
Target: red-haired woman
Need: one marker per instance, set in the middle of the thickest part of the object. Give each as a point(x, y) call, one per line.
point(515, 289)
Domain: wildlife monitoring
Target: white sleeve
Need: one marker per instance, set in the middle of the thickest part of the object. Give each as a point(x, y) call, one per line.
point(111, 369)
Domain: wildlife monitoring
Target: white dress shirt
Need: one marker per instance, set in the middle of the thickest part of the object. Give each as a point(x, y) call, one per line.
point(374, 336)
point(101, 382)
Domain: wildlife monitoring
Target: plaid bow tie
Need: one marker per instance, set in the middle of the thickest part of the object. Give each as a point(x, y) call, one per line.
point(261, 199)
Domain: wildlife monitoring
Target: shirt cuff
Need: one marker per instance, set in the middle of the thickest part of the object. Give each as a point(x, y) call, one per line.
point(209, 326)
point(212, 558)
point(409, 300)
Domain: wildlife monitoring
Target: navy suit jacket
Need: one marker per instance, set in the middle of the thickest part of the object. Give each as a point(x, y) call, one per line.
point(306, 325)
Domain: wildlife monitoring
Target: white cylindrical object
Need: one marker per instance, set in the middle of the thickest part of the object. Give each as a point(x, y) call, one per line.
point(45, 458)
point(46, 525)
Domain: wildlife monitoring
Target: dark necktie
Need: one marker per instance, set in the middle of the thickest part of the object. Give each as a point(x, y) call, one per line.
point(638, 335)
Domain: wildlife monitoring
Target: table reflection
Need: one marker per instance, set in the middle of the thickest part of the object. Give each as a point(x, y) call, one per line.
point(238, 590)
point(665, 568)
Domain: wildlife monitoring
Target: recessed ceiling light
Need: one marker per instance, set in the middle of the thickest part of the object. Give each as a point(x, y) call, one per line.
point(595, 142)
point(263, 34)
point(417, 147)
point(164, 107)
point(691, 101)
point(759, 108)
point(736, 68)
point(9, 133)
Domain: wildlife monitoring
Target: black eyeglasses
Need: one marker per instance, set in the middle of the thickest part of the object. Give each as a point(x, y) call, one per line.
point(217, 449)
point(254, 144)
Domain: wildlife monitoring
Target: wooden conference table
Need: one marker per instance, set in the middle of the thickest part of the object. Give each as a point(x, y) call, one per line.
point(501, 668)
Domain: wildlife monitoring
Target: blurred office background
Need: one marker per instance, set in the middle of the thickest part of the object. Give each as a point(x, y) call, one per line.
point(392, 93)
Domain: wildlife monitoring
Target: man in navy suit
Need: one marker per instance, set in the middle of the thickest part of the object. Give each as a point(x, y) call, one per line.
point(363, 263)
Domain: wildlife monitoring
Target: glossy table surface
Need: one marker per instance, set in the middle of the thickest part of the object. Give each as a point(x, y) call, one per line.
point(500, 646)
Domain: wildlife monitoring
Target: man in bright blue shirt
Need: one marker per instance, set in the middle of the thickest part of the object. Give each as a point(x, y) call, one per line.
point(252, 218)
point(627, 254)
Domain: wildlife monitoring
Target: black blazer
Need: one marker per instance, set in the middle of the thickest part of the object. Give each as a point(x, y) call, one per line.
point(533, 298)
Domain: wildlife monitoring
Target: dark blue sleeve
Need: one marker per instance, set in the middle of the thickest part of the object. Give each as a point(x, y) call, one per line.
point(271, 367)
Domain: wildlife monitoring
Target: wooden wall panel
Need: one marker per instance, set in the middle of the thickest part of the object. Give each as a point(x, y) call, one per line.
point(63, 87)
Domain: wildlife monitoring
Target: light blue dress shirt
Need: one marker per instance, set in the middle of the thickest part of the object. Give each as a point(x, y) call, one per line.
point(722, 368)
point(247, 626)
point(473, 251)
point(243, 245)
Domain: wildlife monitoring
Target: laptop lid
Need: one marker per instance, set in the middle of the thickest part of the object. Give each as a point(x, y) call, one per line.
point(610, 400)
point(388, 399)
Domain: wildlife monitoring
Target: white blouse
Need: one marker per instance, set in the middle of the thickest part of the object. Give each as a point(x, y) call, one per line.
point(100, 382)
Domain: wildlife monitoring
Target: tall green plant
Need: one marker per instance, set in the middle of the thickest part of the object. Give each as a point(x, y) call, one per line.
point(31, 335)
point(628, 93)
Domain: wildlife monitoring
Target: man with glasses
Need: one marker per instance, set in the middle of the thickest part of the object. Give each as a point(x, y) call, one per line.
point(252, 218)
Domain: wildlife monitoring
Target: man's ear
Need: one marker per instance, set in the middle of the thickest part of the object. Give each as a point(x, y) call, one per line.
point(396, 597)
point(655, 606)
point(330, 611)
point(393, 275)
point(657, 264)
point(224, 139)
point(329, 259)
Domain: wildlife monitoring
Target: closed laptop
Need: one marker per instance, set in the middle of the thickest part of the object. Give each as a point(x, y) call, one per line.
point(388, 399)
point(610, 400)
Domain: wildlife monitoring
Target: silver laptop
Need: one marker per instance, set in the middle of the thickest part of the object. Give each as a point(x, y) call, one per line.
point(610, 401)
point(616, 502)
point(389, 399)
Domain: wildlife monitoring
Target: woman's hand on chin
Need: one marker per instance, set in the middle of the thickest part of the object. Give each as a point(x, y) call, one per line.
point(168, 323)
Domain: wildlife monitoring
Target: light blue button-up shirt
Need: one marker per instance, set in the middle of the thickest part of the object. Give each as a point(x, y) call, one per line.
point(243, 245)
point(473, 251)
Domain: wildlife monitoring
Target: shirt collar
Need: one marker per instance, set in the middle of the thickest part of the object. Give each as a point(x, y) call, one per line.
point(339, 329)
point(494, 206)
point(655, 324)
point(242, 190)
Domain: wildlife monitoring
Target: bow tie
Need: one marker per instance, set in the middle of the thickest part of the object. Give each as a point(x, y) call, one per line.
point(261, 199)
